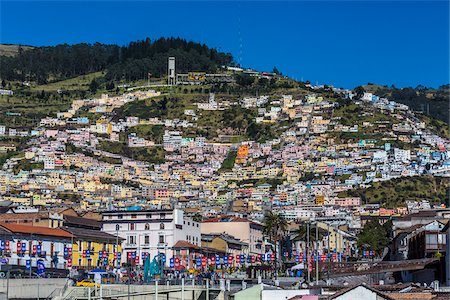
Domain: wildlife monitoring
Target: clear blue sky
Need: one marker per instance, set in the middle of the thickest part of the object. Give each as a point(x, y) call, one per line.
point(346, 44)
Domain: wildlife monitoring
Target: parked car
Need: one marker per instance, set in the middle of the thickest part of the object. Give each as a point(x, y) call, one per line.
point(87, 283)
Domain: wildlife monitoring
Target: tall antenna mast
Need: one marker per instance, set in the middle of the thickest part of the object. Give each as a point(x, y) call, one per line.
point(239, 35)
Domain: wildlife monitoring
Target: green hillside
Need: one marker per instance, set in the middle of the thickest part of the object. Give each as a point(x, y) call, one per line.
point(397, 191)
point(12, 50)
point(433, 102)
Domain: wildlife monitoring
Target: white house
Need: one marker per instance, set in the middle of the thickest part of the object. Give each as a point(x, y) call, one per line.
point(360, 292)
point(151, 231)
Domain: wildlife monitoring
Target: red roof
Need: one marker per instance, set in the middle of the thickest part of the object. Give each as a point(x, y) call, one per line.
point(19, 228)
point(185, 244)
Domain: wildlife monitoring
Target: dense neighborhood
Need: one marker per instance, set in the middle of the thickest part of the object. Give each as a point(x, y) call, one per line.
point(94, 187)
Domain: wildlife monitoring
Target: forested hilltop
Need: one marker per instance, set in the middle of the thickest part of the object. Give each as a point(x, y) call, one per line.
point(131, 62)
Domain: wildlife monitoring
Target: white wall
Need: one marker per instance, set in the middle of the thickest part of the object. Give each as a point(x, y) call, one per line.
point(187, 230)
point(359, 293)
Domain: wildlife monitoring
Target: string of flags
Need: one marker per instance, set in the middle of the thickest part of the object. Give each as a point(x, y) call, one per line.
point(240, 259)
point(199, 261)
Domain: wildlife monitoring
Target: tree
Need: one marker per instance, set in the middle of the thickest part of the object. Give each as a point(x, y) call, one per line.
point(374, 236)
point(93, 86)
point(244, 79)
point(276, 71)
point(110, 86)
point(301, 233)
point(197, 217)
point(263, 81)
point(275, 226)
point(359, 91)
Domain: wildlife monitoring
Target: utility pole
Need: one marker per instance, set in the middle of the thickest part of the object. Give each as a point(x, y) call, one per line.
point(328, 254)
point(117, 243)
point(7, 284)
point(129, 278)
point(317, 253)
point(307, 250)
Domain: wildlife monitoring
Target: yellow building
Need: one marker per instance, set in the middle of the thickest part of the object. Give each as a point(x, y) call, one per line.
point(94, 248)
point(320, 199)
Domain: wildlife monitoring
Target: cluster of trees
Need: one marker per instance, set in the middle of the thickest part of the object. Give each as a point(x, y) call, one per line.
point(275, 227)
point(261, 132)
point(432, 102)
point(59, 62)
point(375, 236)
point(130, 62)
point(150, 132)
point(151, 154)
point(228, 162)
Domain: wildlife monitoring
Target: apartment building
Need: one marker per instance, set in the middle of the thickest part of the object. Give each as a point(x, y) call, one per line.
point(150, 231)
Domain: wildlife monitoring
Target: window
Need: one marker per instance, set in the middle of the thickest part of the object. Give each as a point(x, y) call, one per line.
point(132, 226)
point(120, 217)
point(161, 226)
point(52, 249)
point(132, 239)
point(89, 245)
point(161, 239)
point(133, 216)
point(147, 226)
point(146, 239)
point(162, 216)
point(189, 223)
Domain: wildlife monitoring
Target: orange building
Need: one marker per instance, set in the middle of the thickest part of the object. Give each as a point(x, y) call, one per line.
point(242, 153)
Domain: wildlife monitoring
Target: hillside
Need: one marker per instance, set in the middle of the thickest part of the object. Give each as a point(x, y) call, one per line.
point(131, 62)
point(428, 101)
point(12, 50)
point(45, 80)
point(396, 192)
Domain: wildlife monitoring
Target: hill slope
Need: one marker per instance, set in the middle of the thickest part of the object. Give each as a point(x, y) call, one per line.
point(131, 62)
point(397, 191)
point(428, 101)
point(12, 50)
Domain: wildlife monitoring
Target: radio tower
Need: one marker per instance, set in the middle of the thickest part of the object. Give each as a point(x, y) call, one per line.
point(239, 35)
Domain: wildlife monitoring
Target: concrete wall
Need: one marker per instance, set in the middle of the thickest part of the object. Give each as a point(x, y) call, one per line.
point(31, 288)
point(286, 294)
point(141, 292)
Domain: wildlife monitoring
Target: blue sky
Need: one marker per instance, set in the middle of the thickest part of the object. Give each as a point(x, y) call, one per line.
point(344, 43)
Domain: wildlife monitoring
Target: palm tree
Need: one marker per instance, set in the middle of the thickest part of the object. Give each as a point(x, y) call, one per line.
point(300, 234)
point(274, 227)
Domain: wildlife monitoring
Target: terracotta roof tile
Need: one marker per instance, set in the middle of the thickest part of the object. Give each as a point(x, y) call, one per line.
point(23, 216)
point(185, 244)
point(19, 228)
